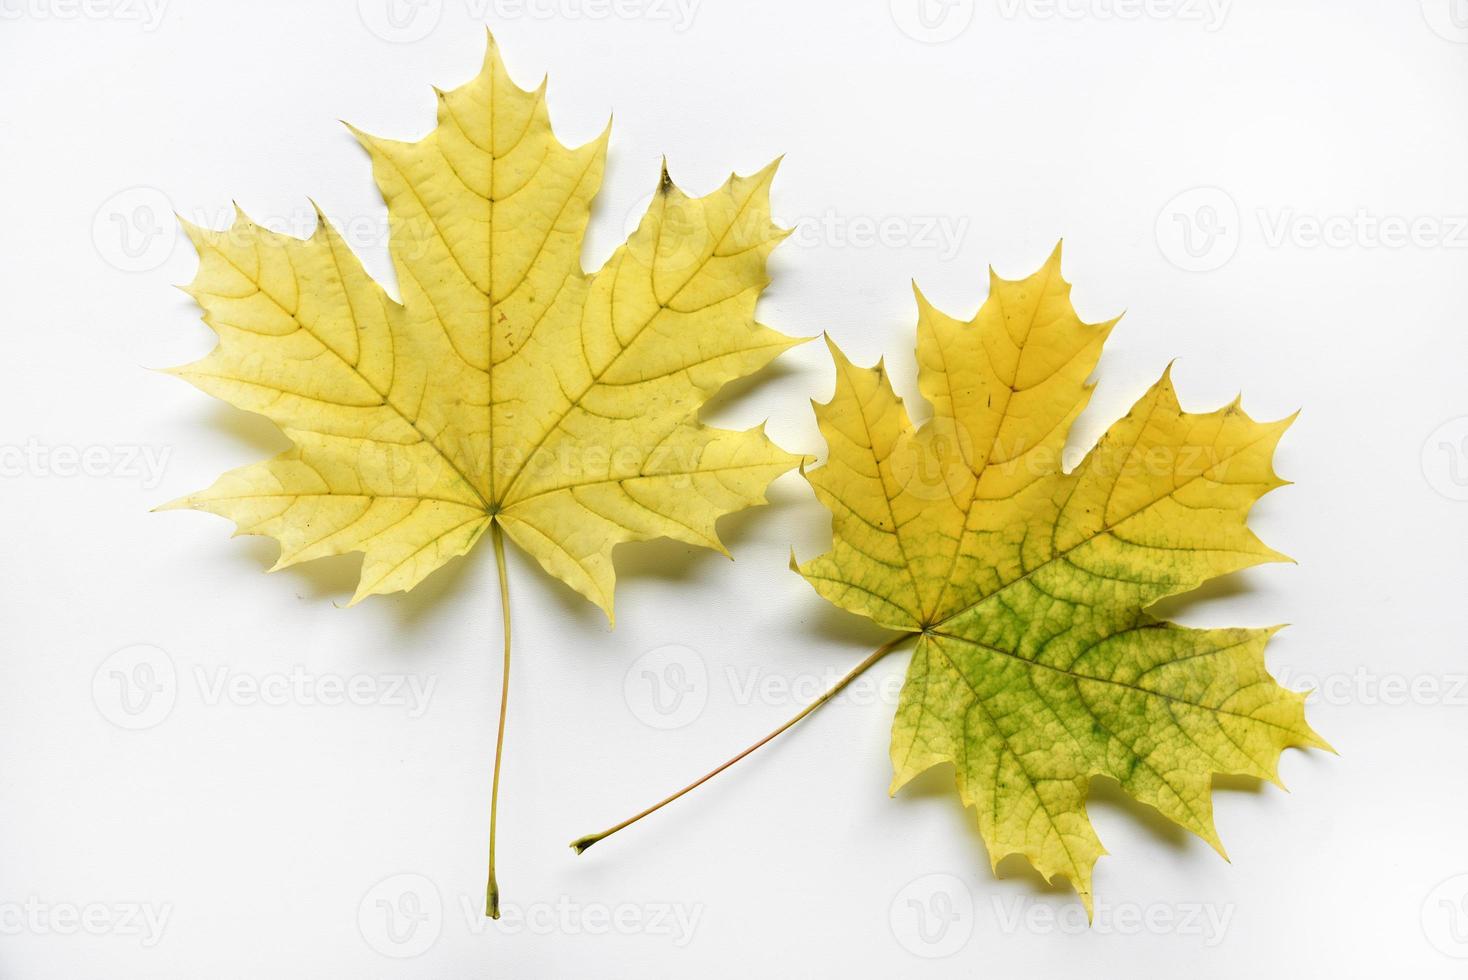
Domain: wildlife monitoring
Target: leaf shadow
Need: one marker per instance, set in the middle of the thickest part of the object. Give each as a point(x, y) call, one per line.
point(1017, 868)
point(1251, 785)
point(428, 599)
point(1174, 608)
point(738, 390)
point(331, 579)
point(1106, 793)
point(251, 431)
point(571, 606)
point(833, 626)
point(664, 559)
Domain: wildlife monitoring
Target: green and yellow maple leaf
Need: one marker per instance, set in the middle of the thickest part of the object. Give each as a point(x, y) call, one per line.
point(1036, 665)
point(508, 389)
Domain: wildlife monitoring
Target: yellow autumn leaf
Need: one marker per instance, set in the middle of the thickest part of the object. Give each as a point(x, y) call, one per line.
point(1026, 587)
point(1037, 667)
point(508, 389)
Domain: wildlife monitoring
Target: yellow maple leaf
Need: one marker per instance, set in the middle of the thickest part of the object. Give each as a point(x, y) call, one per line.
point(508, 389)
point(1036, 665)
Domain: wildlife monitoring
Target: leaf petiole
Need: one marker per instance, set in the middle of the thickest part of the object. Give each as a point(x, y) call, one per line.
point(581, 844)
point(492, 892)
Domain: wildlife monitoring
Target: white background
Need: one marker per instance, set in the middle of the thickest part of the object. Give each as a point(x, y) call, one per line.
point(278, 836)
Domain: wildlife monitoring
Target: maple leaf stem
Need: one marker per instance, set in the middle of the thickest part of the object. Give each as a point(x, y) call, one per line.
point(583, 843)
point(492, 892)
